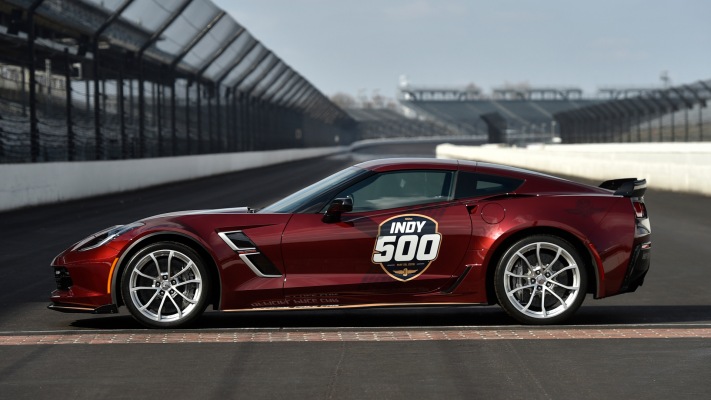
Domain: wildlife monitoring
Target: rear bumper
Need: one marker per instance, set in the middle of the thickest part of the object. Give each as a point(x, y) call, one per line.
point(638, 267)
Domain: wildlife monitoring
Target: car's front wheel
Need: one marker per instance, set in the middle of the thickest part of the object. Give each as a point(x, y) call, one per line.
point(540, 280)
point(165, 285)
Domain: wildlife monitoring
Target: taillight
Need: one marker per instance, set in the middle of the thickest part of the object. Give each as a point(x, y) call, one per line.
point(640, 209)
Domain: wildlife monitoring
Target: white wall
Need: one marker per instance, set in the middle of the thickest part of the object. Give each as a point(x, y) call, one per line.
point(23, 185)
point(683, 167)
point(669, 166)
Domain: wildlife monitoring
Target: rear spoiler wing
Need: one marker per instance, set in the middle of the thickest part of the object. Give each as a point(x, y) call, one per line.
point(627, 187)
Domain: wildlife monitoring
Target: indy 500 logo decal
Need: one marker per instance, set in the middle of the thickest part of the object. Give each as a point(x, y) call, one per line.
point(406, 245)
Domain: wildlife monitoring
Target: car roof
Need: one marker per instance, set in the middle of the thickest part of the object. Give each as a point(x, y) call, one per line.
point(391, 164)
point(536, 182)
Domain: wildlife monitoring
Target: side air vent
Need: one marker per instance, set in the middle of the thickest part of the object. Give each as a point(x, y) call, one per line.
point(261, 263)
point(250, 254)
point(238, 241)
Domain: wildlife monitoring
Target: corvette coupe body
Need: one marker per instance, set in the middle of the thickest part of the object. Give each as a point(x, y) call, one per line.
point(389, 232)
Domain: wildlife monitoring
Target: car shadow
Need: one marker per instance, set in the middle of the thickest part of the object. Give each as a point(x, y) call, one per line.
point(419, 317)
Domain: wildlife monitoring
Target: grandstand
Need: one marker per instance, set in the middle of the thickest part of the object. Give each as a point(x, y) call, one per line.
point(525, 114)
point(379, 123)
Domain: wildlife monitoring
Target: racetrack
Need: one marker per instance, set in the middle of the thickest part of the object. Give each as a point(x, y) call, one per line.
point(654, 343)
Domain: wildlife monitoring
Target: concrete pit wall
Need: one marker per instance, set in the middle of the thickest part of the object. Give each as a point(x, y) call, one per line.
point(681, 167)
point(23, 185)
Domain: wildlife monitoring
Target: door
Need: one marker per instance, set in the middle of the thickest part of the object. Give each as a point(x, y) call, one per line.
point(405, 236)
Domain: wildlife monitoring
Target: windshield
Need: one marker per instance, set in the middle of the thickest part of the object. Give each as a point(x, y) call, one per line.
point(306, 197)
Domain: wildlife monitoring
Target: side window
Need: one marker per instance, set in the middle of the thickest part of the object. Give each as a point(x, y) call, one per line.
point(399, 189)
point(471, 184)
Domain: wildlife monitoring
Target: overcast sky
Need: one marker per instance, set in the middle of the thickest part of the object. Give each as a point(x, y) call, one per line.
point(366, 45)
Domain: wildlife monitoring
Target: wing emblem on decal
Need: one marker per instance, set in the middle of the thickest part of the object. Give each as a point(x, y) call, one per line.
point(405, 272)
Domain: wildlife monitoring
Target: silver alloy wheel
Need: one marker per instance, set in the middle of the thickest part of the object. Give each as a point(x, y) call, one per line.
point(165, 286)
point(542, 280)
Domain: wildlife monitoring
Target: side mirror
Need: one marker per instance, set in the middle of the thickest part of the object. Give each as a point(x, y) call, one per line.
point(338, 207)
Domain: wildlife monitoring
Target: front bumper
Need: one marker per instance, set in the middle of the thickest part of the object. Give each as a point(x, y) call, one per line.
point(67, 308)
point(79, 299)
point(82, 286)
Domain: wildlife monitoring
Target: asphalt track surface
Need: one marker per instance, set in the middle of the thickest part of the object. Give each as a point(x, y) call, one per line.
point(652, 344)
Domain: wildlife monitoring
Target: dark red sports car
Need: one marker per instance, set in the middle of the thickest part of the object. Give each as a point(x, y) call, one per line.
point(382, 233)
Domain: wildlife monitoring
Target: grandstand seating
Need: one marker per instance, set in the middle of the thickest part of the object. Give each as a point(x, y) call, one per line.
point(387, 123)
point(527, 116)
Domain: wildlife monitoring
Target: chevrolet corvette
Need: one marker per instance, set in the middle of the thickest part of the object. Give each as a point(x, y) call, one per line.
point(391, 232)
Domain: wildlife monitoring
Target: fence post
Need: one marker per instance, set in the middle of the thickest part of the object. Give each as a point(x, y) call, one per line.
point(187, 116)
point(235, 131)
point(34, 130)
point(131, 106)
point(218, 126)
point(157, 90)
point(211, 148)
point(121, 112)
point(174, 136)
point(68, 90)
point(241, 121)
point(97, 101)
point(141, 111)
point(199, 116)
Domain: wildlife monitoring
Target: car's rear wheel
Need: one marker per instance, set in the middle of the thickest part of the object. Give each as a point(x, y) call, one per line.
point(165, 285)
point(540, 280)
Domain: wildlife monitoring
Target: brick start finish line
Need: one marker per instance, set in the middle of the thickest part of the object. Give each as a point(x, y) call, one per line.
point(350, 336)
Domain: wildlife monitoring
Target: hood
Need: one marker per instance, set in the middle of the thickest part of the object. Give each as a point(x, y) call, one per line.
point(234, 210)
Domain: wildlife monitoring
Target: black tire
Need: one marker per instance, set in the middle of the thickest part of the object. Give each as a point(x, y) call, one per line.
point(541, 280)
point(166, 285)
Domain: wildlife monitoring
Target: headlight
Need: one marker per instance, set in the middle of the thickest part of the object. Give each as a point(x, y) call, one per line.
point(101, 238)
